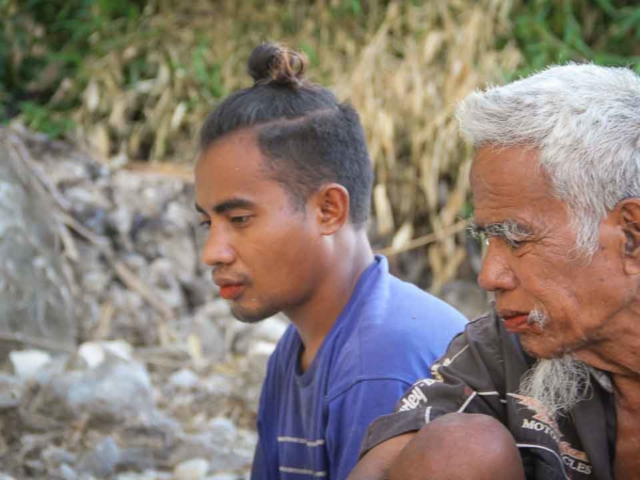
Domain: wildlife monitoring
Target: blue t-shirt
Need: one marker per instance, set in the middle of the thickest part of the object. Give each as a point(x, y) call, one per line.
point(311, 424)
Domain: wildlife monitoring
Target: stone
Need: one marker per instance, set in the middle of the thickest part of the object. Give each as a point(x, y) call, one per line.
point(58, 456)
point(162, 278)
point(146, 475)
point(67, 473)
point(258, 355)
point(103, 394)
point(184, 378)
point(102, 460)
point(194, 469)
point(245, 445)
point(222, 430)
point(210, 335)
point(10, 391)
point(36, 292)
point(268, 330)
point(94, 353)
point(220, 385)
point(26, 363)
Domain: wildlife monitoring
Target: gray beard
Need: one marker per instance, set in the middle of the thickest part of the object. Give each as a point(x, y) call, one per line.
point(558, 384)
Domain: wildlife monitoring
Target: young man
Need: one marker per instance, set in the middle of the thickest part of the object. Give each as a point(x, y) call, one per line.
point(283, 183)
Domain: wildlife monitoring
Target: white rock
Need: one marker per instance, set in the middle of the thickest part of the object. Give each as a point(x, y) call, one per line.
point(211, 337)
point(259, 353)
point(271, 329)
point(136, 476)
point(223, 430)
point(94, 353)
point(146, 475)
point(215, 308)
point(195, 469)
point(112, 392)
point(245, 444)
point(26, 363)
point(120, 349)
point(184, 378)
point(111, 388)
point(67, 473)
point(218, 384)
point(162, 278)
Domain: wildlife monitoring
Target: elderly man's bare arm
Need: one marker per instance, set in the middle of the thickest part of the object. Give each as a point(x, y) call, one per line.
point(452, 447)
point(376, 463)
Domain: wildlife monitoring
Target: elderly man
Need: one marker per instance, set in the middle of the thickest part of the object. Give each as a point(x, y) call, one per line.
point(553, 373)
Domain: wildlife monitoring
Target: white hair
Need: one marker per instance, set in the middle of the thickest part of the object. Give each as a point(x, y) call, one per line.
point(557, 383)
point(584, 121)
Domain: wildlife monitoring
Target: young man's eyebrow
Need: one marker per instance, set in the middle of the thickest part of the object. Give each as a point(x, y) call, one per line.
point(227, 205)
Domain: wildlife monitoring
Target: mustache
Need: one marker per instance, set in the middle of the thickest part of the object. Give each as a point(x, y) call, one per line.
point(538, 316)
point(220, 275)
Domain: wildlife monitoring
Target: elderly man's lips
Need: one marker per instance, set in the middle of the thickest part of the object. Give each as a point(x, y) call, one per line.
point(231, 292)
point(516, 323)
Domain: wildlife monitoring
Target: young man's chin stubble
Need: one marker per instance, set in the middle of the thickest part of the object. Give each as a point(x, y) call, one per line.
point(245, 316)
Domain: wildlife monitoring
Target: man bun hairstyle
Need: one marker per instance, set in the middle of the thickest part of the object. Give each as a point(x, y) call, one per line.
point(308, 138)
point(273, 63)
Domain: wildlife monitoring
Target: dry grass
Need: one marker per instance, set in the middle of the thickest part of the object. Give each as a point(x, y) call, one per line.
point(403, 66)
point(407, 103)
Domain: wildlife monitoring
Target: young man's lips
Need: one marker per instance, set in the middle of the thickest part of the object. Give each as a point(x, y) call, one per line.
point(232, 291)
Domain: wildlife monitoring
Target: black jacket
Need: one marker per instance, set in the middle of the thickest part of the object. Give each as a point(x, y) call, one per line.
point(480, 373)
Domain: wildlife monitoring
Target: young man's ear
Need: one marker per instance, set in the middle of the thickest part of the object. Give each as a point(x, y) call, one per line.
point(629, 218)
point(332, 207)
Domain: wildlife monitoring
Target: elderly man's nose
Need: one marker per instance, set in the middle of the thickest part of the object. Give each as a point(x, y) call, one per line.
point(496, 274)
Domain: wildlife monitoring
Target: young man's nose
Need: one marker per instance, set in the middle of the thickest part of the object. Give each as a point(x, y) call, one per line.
point(217, 249)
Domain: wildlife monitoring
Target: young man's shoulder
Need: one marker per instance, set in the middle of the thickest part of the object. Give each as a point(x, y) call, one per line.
point(398, 332)
point(409, 322)
point(407, 297)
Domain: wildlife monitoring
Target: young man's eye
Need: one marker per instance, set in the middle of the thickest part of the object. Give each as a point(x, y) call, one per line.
point(206, 224)
point(240, 220)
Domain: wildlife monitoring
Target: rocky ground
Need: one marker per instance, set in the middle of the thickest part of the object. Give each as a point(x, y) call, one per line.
point(117, 357)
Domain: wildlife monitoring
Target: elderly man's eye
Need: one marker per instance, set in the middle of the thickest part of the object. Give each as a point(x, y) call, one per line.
point(515, 243)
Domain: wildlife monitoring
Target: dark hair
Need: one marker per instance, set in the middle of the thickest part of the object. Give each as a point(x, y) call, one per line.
point(306, 135)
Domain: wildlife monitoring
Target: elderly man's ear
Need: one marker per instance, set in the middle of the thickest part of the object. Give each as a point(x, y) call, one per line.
point(629, 221)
